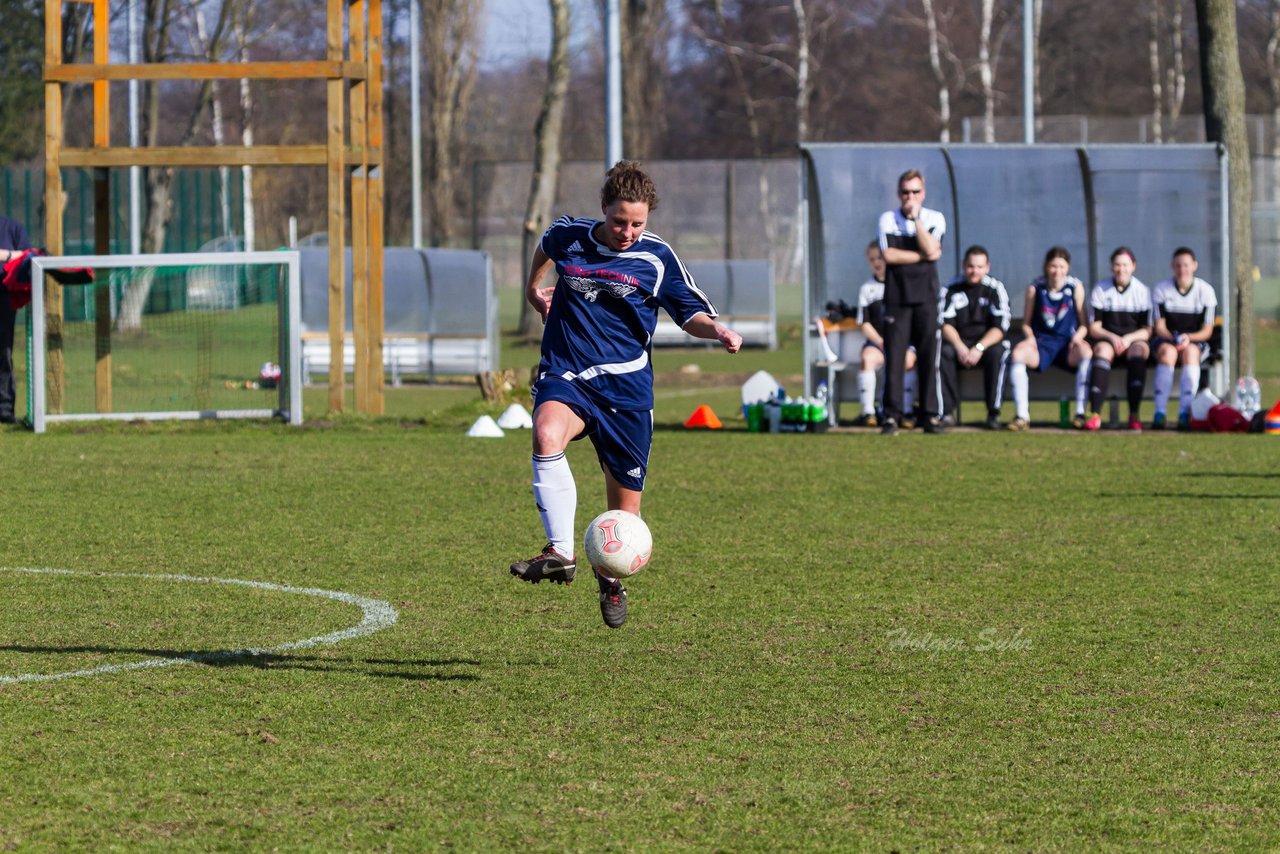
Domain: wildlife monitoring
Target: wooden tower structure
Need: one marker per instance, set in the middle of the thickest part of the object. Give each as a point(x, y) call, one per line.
point(351, 152)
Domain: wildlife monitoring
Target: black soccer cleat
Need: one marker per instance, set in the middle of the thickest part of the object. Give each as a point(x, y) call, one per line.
point(613, 602)
point(550, 564)
point(888, 427)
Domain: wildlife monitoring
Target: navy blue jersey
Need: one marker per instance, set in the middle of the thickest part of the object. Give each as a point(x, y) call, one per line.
point(603, 312)
point(1055, 313)
point(13, 235)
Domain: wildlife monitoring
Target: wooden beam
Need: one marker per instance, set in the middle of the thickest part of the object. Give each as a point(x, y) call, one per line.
point(53, 206)
point(377, 404)
point(101, 92)
point(359, 211)
point(335, 127)
point(222, 155)
point(100, 70)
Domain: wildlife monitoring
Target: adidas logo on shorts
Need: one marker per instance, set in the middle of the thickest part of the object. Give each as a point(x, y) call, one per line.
point(635, 472)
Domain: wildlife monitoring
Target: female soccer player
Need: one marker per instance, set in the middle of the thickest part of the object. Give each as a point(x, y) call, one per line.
point(595, 378)
point(1119, 325)
point(1053, 321)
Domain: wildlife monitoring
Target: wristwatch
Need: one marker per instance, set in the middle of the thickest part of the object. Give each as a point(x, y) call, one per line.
point(980, 347)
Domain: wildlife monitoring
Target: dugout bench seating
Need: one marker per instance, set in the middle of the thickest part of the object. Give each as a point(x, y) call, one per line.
point(439, 309)
point(742, 292)
point(1053, 384)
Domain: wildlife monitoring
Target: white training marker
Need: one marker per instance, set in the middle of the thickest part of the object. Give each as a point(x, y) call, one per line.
point(378, 615)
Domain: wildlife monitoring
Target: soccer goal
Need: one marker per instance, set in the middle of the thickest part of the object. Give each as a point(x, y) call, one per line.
point(181, 336)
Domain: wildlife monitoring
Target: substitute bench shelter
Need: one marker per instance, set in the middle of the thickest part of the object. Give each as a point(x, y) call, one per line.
point(1017, 201)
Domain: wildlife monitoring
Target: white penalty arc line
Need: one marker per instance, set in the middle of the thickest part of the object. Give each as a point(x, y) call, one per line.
point(378, 615)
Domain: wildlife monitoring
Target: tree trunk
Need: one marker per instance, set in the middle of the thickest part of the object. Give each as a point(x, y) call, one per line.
point(246, 136)
point(158, 17)
point(802, 71)
point(1157, 74)
point(546, 154)
point(450, 43)
point(643, 53)
point(986, 72)
point(935, 62)
point(1176, 74)
point(1224, 106)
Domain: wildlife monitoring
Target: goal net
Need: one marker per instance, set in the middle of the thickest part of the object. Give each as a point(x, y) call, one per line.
point(182, 336)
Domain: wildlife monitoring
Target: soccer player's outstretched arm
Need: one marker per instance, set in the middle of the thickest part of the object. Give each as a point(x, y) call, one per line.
point(701, 325)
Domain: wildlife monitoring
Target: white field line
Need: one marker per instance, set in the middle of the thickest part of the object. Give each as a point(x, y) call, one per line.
point(378, 615)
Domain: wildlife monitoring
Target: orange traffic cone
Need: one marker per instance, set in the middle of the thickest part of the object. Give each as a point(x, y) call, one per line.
point(1272, 423)
point(704, 417)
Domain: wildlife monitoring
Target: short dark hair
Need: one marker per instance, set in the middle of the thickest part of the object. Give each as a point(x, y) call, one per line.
point(909, 175)
point(977, 249)
point(1124, 250)
point(1057, 252)
point(1184, 250)
point(875, 244)
point(628, 182)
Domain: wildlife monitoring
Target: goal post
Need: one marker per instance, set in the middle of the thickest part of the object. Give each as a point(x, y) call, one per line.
point(199, 335)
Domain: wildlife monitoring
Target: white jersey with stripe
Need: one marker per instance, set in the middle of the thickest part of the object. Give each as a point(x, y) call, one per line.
point(1121, 311)
point(1185, 313)
point(599, 330)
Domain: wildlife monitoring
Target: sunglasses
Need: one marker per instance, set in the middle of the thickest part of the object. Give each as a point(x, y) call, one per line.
point(910, 192)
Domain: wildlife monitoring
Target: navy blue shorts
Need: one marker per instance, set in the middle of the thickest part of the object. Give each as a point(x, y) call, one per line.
point(622, 437)
point(1053, 351)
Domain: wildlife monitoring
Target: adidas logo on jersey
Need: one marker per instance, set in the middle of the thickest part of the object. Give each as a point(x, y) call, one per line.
point(635, 472)
point(576, 247)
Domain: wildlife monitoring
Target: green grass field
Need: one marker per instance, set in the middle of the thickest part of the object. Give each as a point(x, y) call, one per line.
point(1018, 641)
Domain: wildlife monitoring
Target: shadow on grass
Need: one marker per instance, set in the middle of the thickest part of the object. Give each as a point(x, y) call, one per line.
point(413, 669)
point(1262, 474)
point(1181, 495)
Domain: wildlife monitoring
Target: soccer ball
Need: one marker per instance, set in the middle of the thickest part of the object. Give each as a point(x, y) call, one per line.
point(618, 543)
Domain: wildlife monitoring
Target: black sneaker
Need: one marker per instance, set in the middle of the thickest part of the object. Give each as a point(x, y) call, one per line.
point(993, 423)
point(613, 602)
point(550, 565)
point(888, 427)
point(935, 425)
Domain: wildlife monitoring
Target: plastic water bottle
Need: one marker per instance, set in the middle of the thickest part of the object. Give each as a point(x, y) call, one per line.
point(1248, 396)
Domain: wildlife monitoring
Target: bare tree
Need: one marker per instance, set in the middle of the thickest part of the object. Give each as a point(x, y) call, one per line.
point(986, 71)
point(1273, 73)
point(546, 152)
point(1168, 75)
point(939, 73)
point(160, 24)
point(645, 36)
point(1224, 106)
point(450, 42)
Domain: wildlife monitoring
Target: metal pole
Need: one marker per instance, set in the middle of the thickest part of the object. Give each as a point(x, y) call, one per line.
point(1028, 72)
point(415, 118)
point(612, 83)
point(135, 135)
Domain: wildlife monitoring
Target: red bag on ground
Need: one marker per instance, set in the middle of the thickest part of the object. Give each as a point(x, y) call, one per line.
point(1227, 419)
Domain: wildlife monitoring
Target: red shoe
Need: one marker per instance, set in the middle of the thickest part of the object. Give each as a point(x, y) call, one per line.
point(1093, 422)
point(1134, 424)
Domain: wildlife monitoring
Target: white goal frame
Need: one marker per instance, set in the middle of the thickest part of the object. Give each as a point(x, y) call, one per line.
point(289, 312)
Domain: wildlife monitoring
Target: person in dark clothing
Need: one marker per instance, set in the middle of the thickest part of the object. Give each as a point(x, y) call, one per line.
point(13, 242)
point(975, 319)
point(911, 240)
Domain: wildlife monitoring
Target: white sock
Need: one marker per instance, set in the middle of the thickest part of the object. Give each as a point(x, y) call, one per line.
point(556, 494)
point(867, 391)
point(1163, 385)
point(909, 394)
point(1021, 390)
point(1190, 384)
point(1082, 384)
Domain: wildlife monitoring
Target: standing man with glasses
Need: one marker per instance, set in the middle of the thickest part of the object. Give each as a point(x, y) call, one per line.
point(911, 241)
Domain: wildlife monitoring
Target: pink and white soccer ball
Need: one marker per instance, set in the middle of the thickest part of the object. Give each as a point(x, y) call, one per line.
point(618, 543)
